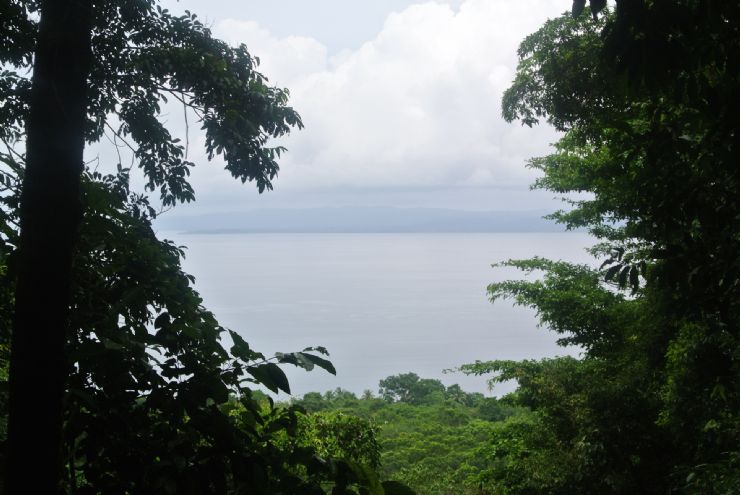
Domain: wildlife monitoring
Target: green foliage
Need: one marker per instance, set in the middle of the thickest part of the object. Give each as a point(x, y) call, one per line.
point(408, 387)
point(645, 96)
point(655, 151)
point(147, 355)
point(335, 434)
point(154, 402)
point(143, 56)
point(595, 6)
point(570, 300)
point(585, 417)
point(519, 458)
point(432, 445)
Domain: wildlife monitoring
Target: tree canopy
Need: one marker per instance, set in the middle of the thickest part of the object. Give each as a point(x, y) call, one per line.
point(435, 446)
point(152, 401)
point(644, 96)
point(409, 388)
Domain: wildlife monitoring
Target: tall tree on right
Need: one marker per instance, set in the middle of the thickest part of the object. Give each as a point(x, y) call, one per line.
point(646, 98)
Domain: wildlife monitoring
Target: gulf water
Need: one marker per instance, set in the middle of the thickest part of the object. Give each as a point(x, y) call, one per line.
point(382, 304)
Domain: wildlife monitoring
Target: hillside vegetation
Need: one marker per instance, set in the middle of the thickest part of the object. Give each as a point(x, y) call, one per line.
point(433, 438)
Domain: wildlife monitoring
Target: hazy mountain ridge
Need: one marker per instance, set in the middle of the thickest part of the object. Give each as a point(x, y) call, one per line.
point(362, 220)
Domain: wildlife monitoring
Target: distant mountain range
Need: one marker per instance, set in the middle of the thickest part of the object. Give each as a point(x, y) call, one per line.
point(360, 220)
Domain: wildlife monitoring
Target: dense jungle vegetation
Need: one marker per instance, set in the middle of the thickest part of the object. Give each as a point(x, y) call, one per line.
point(434, 439)
point(100, 327)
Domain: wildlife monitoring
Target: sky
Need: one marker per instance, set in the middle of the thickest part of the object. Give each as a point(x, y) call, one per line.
point(400, 99)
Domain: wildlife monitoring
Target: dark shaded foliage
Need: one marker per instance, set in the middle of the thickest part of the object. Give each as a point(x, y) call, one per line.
point(153, 402)
point(645, 96)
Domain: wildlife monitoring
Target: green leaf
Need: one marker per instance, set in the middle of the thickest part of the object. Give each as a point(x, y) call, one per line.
point(611, 272)
point(367, 478)
point(318, 348)
point(320, 362)
point(306, 361)
point(577, 8)
point(110, 344)
point(271, 376)
point(240, 348)
point(396, 488)
point(608, 261)
point(296, 359)
point(635, 278)
point(597, 6)
point(623, 276)
point(162, 320)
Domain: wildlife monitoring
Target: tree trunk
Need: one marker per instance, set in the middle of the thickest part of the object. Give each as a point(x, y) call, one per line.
point(50, 216)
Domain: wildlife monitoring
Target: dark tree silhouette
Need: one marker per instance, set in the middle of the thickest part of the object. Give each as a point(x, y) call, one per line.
point(120, 380)
point(50, 216)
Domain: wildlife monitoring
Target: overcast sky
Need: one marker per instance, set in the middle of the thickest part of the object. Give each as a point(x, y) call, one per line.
point(400, 98)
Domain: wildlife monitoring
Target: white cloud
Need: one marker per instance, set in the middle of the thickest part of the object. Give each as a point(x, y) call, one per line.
point(284, 60)
point(418, 105)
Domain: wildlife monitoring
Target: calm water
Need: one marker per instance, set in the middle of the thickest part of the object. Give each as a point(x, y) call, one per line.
point(381, 303)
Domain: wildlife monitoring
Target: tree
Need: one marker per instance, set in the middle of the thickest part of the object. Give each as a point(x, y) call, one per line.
point(342, 436)
point(146, 398)
point(49, 219)
point(434, 446)
point(643, 96)
point(408, 387)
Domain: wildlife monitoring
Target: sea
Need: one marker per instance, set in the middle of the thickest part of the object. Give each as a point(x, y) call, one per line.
point(382, 304)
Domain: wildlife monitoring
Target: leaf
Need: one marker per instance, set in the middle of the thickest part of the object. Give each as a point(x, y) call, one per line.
point(623, 276)
point(608, 261)
point(271, 376)
point(634, 278)
point(162, 320)
point(296, 359)
point(240, 348)
point(396, 488)
point(86, 398)
point(620, 253)
point(319, 349)
point(110, 344)
point(611, 272)
point(577, 8)
point(320, 362)
point(597, 6)
point(367, 478)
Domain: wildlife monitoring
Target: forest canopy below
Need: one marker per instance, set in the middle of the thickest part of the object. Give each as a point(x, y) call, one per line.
point(119, 381)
